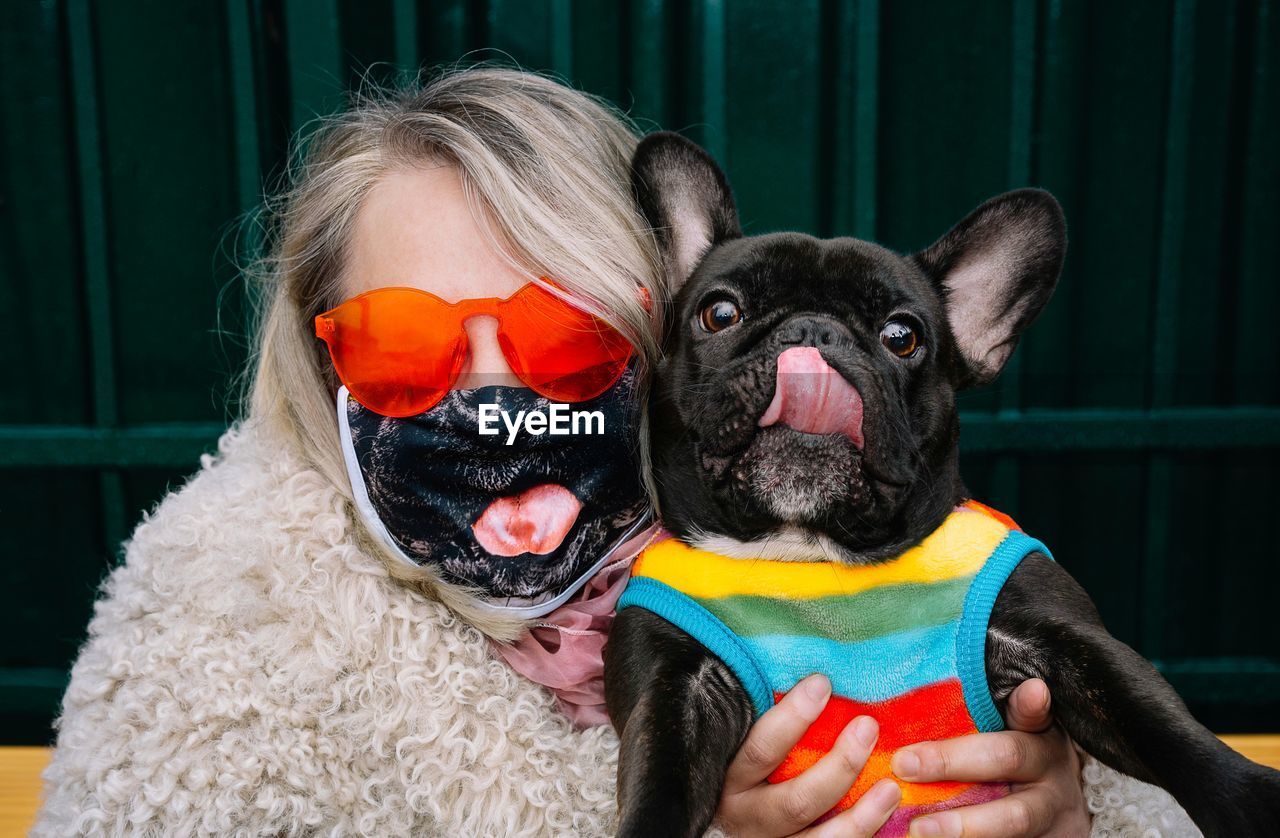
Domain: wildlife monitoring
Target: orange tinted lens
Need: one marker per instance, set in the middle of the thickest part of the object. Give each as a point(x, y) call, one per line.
point(560, 351)
point(394, 349)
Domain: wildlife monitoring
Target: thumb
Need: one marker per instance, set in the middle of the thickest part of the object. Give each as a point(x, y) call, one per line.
point(1028, 708)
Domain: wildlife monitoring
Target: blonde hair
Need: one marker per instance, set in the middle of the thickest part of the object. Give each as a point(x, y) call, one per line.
point(548, 165)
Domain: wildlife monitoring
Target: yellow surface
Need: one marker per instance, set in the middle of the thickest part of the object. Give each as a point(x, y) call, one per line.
point(20, 787)
point(20, 776)
point(1263, 748)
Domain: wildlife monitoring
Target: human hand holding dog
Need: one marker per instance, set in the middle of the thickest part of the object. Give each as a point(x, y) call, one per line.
point(1034, 755)
point(751, 806)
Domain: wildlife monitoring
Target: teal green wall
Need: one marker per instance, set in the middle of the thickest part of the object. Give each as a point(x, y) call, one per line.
point(1137, 432)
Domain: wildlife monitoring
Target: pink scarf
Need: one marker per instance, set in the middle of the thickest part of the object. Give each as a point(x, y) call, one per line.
point(563, 651)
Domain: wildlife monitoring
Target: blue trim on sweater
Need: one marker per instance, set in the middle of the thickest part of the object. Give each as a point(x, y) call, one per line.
point(685, 613)
point(971, 639)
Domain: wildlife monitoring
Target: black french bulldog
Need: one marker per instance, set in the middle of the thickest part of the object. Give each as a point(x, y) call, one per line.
point(907, 332)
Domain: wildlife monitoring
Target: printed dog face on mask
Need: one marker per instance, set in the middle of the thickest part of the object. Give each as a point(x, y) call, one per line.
point(807, 396)
point(521, 520)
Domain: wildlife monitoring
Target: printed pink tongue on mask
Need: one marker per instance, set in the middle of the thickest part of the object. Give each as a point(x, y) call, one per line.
point(534, 521)
point(813, 398)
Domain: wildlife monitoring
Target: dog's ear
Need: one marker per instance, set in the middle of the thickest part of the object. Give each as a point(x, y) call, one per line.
point(996, 269)
point(685, 198)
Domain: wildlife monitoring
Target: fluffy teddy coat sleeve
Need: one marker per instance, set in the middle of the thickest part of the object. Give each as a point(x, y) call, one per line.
point(248, 671)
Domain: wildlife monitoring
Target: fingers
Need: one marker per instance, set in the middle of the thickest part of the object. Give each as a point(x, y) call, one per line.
point(789, 806)
point(1009, 755)
point(1028, 708)
point(1028, 812)
point(776, 732)
point(864, 818)
point(800, 801)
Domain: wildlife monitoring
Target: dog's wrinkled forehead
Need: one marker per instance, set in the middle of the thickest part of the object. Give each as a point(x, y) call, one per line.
point(785, 273)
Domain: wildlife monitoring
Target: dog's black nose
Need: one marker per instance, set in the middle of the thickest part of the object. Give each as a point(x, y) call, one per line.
point(813, 330)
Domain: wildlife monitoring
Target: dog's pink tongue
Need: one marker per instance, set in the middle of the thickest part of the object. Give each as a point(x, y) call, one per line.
point(534, 521)
point(813, 398)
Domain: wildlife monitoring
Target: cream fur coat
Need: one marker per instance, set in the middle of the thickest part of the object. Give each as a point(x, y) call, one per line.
point(250, 672)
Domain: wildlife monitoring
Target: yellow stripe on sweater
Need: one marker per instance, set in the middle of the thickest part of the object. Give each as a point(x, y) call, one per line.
point(957, 548)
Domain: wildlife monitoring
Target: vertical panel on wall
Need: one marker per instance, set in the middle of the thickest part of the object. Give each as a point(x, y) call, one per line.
point(714, 88)
point(599, 41)
point(1255, 371)
point(86, 88)
point(1022, 91)
point(1046, 372)
point(54, 279)
point(1217, 599)
point(244, 65)
point(1116, 213)
point(1157, 523)
point(1101, 148)
point(240, 295)
point(180, 180)
point(39, 249)
point(850, 105)
point(317, 71)
point(446, 32)
point(368, 43)
point(404, 27)
point(1208, 251)
point(759, 73)
point(1255, 367)
point(562, 23)
point(944, 116)
point(52, 523)
point(653, 63)
point(521, 30)
point(93, 212)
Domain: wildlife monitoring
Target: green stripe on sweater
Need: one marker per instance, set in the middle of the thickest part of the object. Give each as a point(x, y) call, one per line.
point(872, 613)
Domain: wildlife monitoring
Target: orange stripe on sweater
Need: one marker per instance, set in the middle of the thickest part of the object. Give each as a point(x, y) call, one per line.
point(875, 770)
point(994, 513)
point(936, 711)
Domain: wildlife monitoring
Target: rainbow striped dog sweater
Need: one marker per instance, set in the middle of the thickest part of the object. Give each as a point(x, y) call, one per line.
point(901, 640)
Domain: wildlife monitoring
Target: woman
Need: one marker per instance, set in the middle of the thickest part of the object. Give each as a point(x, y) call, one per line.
point(283, 653)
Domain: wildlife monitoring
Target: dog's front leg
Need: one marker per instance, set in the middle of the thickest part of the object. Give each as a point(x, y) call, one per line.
point(1117, 706)
point(680, 714)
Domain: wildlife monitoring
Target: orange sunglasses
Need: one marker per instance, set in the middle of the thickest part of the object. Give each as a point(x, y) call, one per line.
point(399, 350)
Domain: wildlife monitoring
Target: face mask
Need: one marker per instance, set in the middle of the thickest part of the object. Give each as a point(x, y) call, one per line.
point(525, 516)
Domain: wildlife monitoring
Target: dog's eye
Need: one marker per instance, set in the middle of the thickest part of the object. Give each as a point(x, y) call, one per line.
point(900, 338)
point(720, 315)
